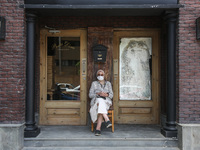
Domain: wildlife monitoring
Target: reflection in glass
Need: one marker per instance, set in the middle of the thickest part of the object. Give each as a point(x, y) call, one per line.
point(63, 68)
point(135, 78)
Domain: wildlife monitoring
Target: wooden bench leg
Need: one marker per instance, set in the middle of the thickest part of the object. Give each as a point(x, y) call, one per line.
point(113, 121)
point(92, 126)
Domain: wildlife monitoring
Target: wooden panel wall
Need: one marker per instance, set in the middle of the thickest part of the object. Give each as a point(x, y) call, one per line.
point(104, 36)
point(50, 74)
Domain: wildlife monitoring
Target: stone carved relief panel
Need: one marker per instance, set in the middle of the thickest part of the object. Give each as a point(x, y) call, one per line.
point(134, 68)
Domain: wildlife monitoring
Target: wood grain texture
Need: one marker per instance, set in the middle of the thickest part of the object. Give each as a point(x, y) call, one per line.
point(140, 111)
point(62, 112)
point(104, 36)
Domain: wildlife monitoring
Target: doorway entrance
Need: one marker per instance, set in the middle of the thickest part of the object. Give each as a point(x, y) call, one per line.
point(63, 77)
point(136, 72)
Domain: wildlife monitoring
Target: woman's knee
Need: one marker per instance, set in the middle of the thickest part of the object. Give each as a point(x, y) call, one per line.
point(104, 115)
point(100, 115)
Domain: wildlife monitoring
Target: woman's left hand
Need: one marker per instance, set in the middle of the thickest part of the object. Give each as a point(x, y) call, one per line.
point(103, 94)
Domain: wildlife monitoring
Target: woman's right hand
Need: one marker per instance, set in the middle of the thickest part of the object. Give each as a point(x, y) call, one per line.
point(102, 94)
point(98, 93)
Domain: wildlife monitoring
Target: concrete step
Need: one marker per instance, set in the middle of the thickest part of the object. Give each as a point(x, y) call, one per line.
point(125, 137)
point(99, 142)
point(100, 148)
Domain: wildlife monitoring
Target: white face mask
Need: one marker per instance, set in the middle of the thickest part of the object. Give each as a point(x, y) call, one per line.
point(100, 78)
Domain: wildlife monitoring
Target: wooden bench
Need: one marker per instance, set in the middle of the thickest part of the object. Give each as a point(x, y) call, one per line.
point(111, 117)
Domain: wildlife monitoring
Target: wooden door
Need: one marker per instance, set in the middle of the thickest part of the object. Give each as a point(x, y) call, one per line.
point(136, 72)
point(63, 76)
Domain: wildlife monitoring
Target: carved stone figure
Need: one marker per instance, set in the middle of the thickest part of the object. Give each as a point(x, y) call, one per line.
point(135, 81)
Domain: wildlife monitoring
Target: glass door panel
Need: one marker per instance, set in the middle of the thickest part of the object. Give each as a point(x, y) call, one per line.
point(63, 71)
point(63, 68)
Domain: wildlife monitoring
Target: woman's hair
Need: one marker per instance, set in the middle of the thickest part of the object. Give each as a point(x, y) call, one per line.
point(100, 71)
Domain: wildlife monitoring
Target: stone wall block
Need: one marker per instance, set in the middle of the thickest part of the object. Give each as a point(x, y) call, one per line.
point(11, 136)
point(189, 136)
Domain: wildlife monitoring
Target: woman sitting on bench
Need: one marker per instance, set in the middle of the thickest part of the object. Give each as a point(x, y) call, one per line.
point(101, 94)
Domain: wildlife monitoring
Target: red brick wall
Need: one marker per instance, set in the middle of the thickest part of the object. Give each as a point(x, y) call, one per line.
point(12, 63)
point(188, 54)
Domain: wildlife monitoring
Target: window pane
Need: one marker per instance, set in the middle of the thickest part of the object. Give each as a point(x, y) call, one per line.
point(135, 60)
point(63, 68)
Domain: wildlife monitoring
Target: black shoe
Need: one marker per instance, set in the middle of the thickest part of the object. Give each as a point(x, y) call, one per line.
point(97, 132)
point(108, 124)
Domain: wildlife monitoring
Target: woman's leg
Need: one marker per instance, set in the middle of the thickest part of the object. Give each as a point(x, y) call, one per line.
point(108, 123)
point(99, 122)
point(102, 109)
point(105, 116)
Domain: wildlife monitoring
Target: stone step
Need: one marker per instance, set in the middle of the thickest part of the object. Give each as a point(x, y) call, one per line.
point(100, 148)
point(98, 142)
point(125, 137)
